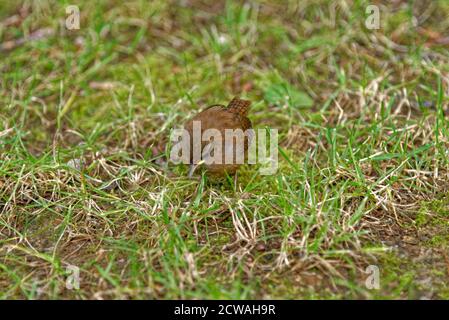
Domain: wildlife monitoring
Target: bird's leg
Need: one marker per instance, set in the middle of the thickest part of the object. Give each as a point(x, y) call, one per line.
point(205, 156)
point(192, 169)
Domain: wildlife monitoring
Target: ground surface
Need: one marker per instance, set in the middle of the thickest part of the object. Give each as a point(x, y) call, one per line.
point(363, 175)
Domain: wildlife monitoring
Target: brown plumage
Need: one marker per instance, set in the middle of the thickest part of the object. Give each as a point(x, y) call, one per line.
point(232, 116)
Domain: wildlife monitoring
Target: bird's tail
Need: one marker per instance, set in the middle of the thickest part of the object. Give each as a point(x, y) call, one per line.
point(239, 106)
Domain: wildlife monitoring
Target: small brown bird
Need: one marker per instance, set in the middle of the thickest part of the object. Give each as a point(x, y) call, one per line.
point(220, 117)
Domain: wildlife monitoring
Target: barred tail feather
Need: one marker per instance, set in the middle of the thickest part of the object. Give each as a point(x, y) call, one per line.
point(239, 106)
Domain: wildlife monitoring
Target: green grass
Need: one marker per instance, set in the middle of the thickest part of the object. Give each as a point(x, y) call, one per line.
point(86, 115)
